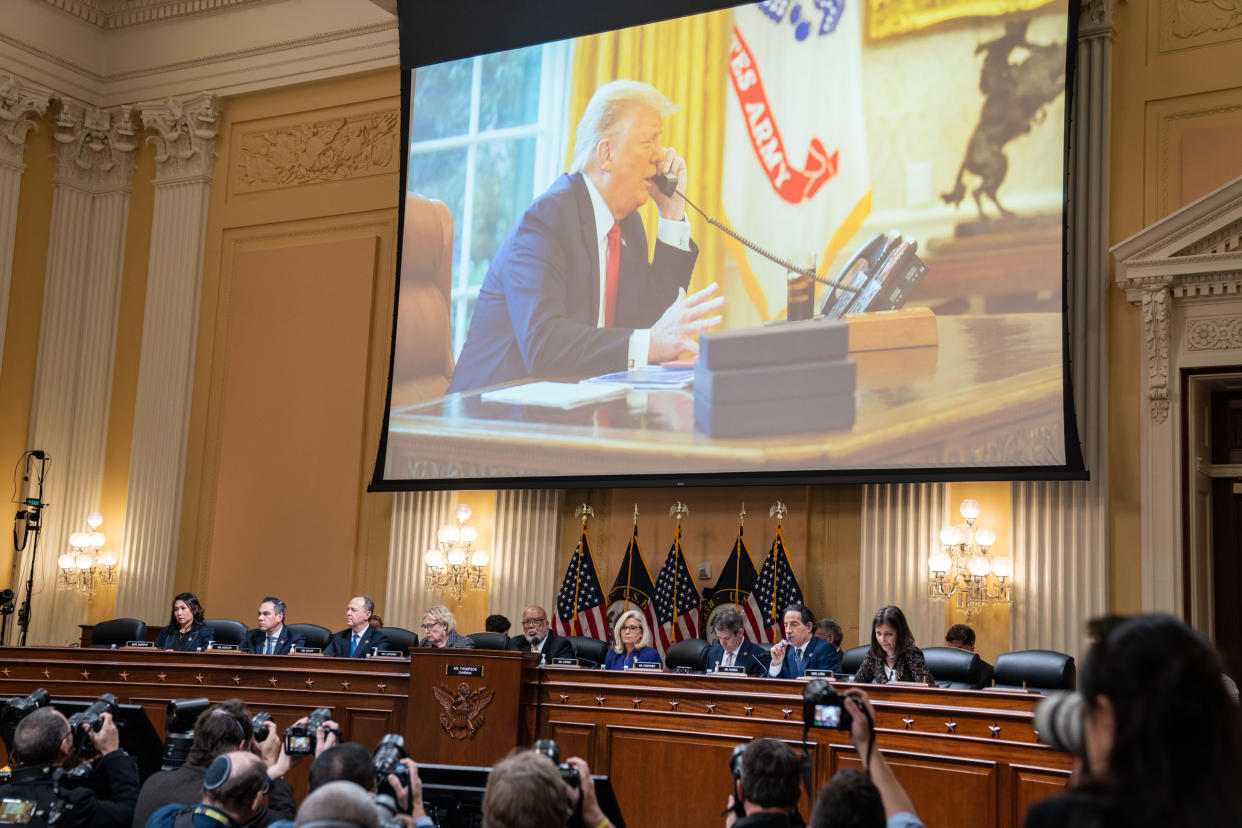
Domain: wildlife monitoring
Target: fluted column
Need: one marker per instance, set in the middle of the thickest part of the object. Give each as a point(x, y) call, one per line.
point(526, 550)
point(184, 140)
point(77, 339)
point(416, 518)
point(1060, 529)
point(900, 526)
point(17, 103)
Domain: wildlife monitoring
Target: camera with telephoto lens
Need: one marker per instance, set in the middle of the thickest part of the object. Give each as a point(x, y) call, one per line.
point(300, 738)
point(16, 709)
point(824, 707)
point(549, 748)
point(1058, 722)
point(735, 768)
point(256, 725)
point(387, 759)
point(179, 720)
point(90, 720)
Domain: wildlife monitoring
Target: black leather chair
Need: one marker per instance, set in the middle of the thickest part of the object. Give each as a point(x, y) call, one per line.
point(766, 645)
point(852, 659)
point(690, 653)
point(589, 651)
point(227, 631)
point(489, 641)
point(1041, 670)
point(954, 668)
point(315, 635)
point(400, 638)
point(117, 632)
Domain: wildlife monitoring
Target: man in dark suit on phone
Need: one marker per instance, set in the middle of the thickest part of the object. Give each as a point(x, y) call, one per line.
point(537, 637)
point(271, 637)
point(571, 293)
point(732, 649)
point(359, 637)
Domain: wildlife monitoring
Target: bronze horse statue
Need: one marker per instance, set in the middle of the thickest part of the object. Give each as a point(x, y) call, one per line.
point(1015, 96)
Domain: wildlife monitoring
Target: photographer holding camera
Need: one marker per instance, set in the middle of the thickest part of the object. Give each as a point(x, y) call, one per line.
point(101, 794)
point(1160, 736)
point(765, 787)
point(218, 730)
point(522, 792)
point(389, 779)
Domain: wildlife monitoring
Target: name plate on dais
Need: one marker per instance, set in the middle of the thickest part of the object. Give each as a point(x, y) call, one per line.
point(648, 665)
point(565, 662)
point(307, 650)
point(389, 654)
point(735, 670)
point(468, 670)
point(222, 647)
point(818, 674)
point(139, 643)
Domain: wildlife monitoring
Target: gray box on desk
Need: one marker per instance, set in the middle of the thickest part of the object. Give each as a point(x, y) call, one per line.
point(775, 382)
point(770, 345)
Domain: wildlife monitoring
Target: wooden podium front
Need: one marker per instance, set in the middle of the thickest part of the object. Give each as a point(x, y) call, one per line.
point(465, 705)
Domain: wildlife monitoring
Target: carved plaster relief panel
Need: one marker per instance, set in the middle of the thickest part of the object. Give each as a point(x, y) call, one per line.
point(312, 152)
point(17, 103)
point(1185, 24)
point(95, 147)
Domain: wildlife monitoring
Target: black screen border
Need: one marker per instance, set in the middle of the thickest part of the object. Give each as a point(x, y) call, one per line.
point(436, 32)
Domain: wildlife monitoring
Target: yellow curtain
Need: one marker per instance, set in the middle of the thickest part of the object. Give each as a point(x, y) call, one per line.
point(671, 56)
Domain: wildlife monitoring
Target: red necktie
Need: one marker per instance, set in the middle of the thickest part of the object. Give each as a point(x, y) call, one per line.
point(610, 275)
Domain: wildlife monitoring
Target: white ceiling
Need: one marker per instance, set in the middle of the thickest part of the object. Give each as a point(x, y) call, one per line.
point(107, 52)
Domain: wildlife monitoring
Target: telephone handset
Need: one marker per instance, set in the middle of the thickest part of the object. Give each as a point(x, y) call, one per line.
point(666, 184)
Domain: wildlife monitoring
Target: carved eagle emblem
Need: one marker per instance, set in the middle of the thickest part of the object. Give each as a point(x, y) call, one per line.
point(463, 713)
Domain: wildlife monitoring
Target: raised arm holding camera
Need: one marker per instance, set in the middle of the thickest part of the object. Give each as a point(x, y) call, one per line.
point(100, 792)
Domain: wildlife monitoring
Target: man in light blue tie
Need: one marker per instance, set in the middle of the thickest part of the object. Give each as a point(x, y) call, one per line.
point(359, 638)
point(272, 637)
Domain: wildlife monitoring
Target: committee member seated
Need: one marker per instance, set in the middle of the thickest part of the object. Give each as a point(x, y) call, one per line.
point(358, 638)
point(871, 798)
point(185, 630)
point(496, 623)
point(633, 642)
point(1161, 736)
point(272, 637)
point(222, 728)
point(440, 630)
point(525, 790)
point(767, 787)
point(570, 293)
point(233, 788)
point(732, 649)
point(892, 656)
point(800, 650)
point(43, 742)
point(829, 630)
point(962, 637)
point(537, 637)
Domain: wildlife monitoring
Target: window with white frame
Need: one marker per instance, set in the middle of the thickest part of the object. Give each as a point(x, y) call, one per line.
point(487, 135)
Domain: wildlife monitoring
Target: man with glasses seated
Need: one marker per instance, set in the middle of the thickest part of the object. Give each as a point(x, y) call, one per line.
point(537, 637)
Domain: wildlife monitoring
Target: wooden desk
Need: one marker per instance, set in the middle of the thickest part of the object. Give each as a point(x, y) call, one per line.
point(955, 404)
point(965, 757)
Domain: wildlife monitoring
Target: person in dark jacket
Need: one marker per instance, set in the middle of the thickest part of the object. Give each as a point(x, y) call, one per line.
point(440, 630)
point(185, 630)
point(218, 730)
point(232, 793)
point(765, 782)
point(537, 637)
point(893, 656)
point(104, 798)
point(359, 638)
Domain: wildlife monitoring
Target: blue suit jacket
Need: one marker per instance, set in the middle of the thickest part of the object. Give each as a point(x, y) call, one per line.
point(820, 655)
point(539, 303)
point(750, 655)
point(256, 641)
point(339, 644)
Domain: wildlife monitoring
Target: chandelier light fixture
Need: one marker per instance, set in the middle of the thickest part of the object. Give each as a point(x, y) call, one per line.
point(453, 565)
point(963, 567)
point(86, 567)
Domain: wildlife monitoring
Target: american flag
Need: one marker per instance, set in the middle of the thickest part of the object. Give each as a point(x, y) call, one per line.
point(676, 600)
point(775, 589)
point(580, 603)
point(735, 587)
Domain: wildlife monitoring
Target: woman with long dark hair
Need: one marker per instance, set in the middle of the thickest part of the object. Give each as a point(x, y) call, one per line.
point(893, 656)
point(1162, 737)
point(185, 631)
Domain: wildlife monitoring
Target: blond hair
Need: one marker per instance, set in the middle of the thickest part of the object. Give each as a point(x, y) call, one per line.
point(605, 116)
point(645, 641)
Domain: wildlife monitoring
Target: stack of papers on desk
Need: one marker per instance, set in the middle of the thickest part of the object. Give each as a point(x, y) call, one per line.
point(555, 394)
point(651, 378)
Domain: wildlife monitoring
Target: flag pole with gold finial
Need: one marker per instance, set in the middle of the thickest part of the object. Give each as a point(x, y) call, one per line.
point(583, 513)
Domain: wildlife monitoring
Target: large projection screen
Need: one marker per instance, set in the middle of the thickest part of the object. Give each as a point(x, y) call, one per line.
point(911, 156)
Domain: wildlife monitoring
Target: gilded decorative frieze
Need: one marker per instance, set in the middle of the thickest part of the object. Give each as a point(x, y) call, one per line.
point(313, 152)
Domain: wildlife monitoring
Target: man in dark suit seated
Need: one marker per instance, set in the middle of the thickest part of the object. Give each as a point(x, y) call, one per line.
point(271, 637)
point(732, 649)
point(801, 650)
point(962, 637)
point(537, 637)
point(570, 293)
point(359, 637)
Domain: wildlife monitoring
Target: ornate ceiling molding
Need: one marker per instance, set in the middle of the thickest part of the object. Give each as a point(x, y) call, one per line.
point(116, 14)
